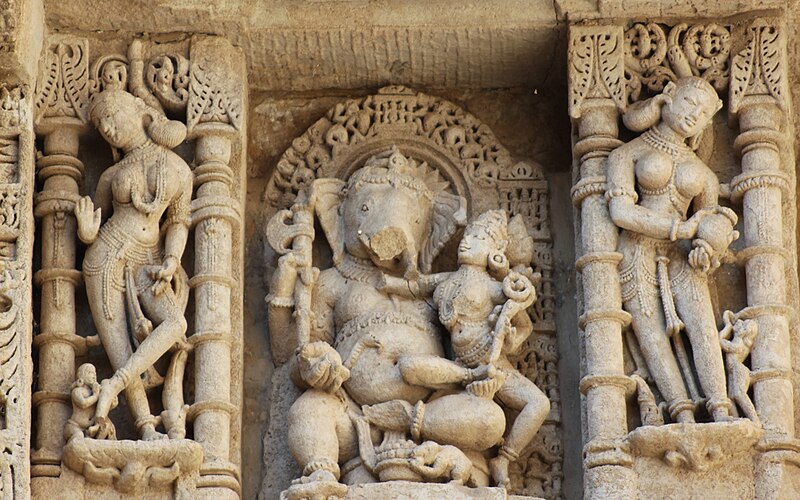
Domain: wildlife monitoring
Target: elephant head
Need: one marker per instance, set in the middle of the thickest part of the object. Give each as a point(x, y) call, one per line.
point(386, 213)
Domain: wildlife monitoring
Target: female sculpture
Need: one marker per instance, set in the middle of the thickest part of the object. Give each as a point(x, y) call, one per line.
point(652, 181)
point(482, 305)
point(129, 268)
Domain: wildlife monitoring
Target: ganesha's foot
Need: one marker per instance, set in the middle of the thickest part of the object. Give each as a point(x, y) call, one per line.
point(498, 466)
point(317, 490)
point(320, 481)
point(396, 415)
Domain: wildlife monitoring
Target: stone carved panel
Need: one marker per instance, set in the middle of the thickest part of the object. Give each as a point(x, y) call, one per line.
point(9, 20)
point(686, 358)
point(135, 224)
point(448, 151)
point(63, 90)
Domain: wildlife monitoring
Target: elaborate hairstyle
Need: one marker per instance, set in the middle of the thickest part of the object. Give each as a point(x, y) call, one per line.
point(166, 132)
point(642, 115)
point(494, 225)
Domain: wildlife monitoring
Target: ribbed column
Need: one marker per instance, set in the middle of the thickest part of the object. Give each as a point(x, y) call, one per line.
point(596, 94)
point(60, 171)
point(215, 121)
point(214, 216)
point(760, 187)
point(759, 97)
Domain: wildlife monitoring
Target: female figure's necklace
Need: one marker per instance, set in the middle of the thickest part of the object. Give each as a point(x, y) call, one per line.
point(141, 199)
point(660, 142)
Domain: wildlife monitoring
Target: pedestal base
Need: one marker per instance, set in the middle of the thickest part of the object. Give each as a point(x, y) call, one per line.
point(416, 491)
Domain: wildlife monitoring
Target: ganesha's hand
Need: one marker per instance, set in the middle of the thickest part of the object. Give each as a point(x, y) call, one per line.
point(163, 275)
point(88, 220)
point(321, 367)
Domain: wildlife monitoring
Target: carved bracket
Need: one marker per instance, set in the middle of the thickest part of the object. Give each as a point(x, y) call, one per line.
point(132, 467)
point(654, 57)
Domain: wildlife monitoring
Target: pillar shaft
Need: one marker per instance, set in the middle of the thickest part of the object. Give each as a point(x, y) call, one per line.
point(214, 218)
point(594, 108)
point(60, 171)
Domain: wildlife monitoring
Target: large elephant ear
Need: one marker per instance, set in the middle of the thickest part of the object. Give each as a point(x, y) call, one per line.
point(449, 214)
point(328, 195)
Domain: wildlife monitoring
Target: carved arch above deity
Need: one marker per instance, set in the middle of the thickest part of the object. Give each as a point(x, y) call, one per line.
point(454, 143)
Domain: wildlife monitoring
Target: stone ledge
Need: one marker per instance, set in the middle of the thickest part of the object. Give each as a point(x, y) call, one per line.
point(426, 491)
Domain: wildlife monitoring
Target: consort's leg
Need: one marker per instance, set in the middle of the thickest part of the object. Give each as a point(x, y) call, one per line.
point(520, 394)
point(693, 303)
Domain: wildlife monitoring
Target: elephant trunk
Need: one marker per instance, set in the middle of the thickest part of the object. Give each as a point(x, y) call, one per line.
point(391, 247)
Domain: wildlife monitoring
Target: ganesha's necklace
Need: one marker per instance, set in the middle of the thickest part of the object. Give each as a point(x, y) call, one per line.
point(360, 270)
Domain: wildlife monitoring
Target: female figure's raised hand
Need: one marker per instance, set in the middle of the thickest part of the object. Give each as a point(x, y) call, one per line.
point(88, 220)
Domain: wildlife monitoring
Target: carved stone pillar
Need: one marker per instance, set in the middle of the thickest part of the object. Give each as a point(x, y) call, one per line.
point(61, 103)
point(596, 94)
point(214, 119)
point(759, 98)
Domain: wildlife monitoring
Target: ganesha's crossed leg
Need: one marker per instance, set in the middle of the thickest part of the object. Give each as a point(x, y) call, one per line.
point(321, 434)
point(438, 373)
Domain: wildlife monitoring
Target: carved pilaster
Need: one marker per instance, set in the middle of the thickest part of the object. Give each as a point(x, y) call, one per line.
point(16, 241)
point(214, 119)
point(61, 114)
point(596, 95)
point(759, 98)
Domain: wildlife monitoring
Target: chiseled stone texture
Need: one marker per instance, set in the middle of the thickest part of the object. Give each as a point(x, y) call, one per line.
point(505, 61)
point(403, 490)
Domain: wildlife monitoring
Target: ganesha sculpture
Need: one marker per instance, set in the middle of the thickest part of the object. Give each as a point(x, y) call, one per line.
point(382, 401)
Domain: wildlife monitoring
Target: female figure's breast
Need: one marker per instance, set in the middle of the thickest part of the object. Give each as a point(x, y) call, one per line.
point(653, 173)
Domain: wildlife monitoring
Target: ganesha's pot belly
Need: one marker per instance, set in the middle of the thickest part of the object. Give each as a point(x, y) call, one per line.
point(371, 345)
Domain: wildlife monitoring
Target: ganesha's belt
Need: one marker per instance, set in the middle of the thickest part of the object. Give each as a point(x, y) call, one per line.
point(368, 320)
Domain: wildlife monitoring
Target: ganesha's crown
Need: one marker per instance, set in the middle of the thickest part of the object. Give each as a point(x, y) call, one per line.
point(393, 168)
